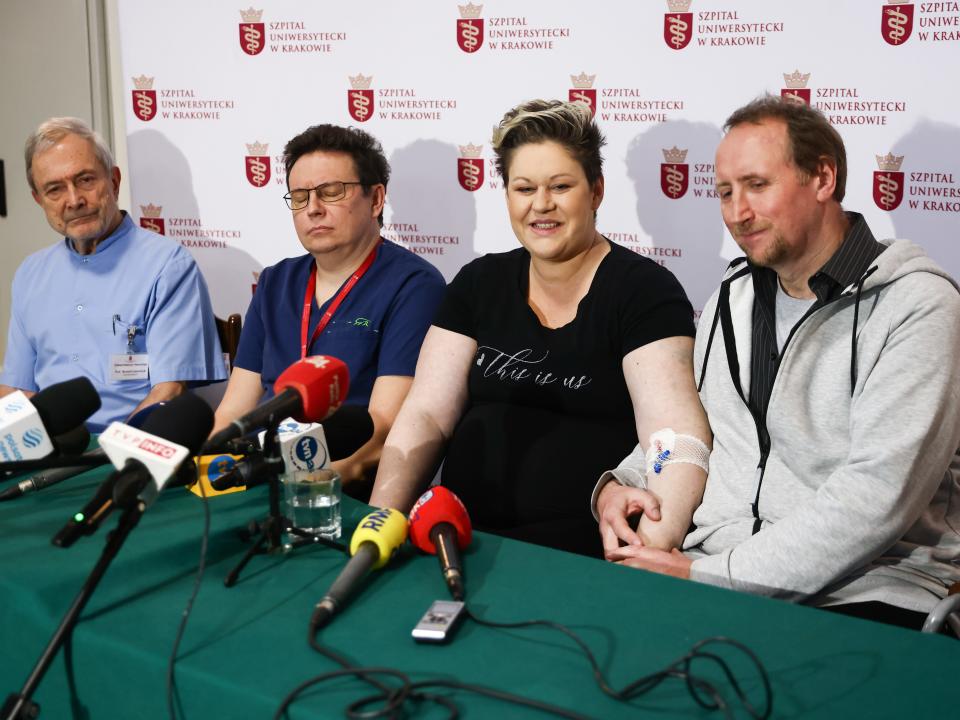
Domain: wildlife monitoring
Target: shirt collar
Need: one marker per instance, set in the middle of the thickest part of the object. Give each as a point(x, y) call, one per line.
point(851, 260)
point(856, 253)
point(123, 229)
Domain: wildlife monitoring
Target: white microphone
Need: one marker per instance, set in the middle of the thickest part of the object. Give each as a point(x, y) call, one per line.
point(28, 426)
point(303, 446)
point(142, 457)
point(22, 435)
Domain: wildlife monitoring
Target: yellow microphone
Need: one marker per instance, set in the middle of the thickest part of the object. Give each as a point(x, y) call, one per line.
point(376, 539)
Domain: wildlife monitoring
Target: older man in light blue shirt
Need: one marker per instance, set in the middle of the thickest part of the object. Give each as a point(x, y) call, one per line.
point(118, 304)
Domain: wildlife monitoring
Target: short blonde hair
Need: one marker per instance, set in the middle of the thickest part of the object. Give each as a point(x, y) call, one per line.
point(53, 131)
point(569, 124)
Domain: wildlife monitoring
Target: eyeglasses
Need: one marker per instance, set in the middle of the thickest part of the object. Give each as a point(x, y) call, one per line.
point(327, 192)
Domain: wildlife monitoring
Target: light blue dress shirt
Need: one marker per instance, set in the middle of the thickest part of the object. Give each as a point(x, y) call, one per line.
point(137, 293)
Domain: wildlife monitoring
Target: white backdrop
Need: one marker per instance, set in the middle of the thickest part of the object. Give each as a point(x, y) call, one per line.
point(215, 83)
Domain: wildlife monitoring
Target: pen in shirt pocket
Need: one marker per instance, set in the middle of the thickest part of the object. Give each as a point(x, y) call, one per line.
point(130, 328)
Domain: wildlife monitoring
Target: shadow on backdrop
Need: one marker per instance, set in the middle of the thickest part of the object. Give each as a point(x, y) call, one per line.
point(690, 223)
point(429, 212)
point(930, 147)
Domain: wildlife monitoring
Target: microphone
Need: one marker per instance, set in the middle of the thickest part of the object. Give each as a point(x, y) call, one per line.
point(374, 542)
point(308, 391)
point(305, 447)
point(440, 525)
point(27, 425)
point(147, 459)
point(73, 442)
point(211, 468)
point(54, 476)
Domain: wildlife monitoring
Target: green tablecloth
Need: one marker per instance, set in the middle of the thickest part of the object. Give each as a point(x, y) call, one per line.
point(245, 647)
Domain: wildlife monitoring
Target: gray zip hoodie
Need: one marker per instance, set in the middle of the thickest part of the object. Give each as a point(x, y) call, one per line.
point(859, 498)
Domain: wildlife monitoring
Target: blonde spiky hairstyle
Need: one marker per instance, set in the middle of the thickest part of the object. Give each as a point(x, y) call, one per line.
point(569, 124)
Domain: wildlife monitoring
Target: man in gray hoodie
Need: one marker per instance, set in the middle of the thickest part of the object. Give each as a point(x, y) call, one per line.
point(829, 367)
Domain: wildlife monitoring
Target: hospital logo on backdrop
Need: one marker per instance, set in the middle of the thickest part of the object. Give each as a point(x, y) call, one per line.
point(935, 22)
point(796, 89)
point(257, 163)
point(678, 24)
point(583, 91)
point(151, 218)
point(888, 182)
point(176, 103)
point(622, 104)
point(286, 35)
point(470, 167)
point(896, 22)
point(841, 104)
point(253, 36)
point(144, 98)
point(470, 28)
point(674, 173)
point(360, 97)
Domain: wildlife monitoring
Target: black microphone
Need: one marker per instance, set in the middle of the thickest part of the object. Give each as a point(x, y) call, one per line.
point(54, 476)
point(65, 405)
point(72, 442)
point(185, 422)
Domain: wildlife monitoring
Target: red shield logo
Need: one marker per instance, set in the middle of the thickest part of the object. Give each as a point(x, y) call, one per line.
point(470, 173)
point(677, 29)
point(360, 104)
point(145, 104)
point(674, 179)
point(258, 169)
point(252, 37)
point(587, 96)
point(887, 189)
point(470, 34)
point(896, 23)
point(154, 224)
point(801, 96)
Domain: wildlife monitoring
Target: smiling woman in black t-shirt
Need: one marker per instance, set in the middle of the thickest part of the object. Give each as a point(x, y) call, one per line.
point(546, 363)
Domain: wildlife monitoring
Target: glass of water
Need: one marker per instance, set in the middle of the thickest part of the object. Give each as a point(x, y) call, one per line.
point(313, 501)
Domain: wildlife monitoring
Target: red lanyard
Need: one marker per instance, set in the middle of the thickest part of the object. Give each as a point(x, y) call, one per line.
point(332, 308)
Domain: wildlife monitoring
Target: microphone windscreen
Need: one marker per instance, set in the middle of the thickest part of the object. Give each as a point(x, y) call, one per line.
point(65, 405)
point(385, 528)
point(73, 442)
point(438, 505)
point(322, 383)
point(186, 420)
point(347, 430)
point(140, 416)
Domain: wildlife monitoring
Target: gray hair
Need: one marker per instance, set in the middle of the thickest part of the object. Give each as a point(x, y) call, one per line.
point(569, 124)
point(53, 131)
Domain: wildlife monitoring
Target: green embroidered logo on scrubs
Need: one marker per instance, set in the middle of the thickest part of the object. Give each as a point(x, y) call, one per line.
point(360, 322)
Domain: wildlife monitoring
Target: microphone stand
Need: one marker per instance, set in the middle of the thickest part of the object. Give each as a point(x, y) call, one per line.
point(267, 535)
point(19, 706)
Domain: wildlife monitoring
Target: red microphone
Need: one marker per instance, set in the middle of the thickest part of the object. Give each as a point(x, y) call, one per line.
point(309, 391)
point(440, 525)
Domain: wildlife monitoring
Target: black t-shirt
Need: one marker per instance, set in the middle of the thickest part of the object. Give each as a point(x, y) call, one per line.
point(549, 409)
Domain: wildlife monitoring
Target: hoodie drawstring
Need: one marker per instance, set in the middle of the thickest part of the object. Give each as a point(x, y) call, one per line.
point(853, 340)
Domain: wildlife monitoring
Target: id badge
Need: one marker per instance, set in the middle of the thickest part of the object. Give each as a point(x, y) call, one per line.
point(129, 367)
